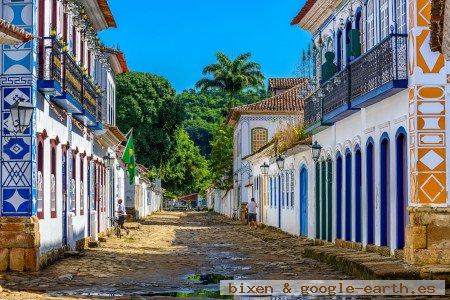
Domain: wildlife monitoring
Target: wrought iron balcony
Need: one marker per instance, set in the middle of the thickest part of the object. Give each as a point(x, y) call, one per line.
point(73, 77)
point(376, 75)
point(335, 96)
point(62, 78)
point(381, 72)
point(91, 99)
point(50, 67)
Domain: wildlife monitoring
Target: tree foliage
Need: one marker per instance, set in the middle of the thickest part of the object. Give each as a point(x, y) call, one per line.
point(186, 171)
point(221, 162)
point(204, 113)
point(147, 103)
point(231, 76)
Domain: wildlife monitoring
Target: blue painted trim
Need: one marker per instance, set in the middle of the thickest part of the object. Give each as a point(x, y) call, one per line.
point(400, 130)
point(339, 113)
point(303, 207)
point(358, 196)
point(384, 180)
point(348, 195)
point(382, 92)
point(68, 102)
point(370, 174)
point(339, 177)
point(49, 86)
point(401, 175)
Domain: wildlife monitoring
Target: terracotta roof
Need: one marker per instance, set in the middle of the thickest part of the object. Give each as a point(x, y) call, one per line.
point(120, 57)
point(289, 102)
point(437, 24)
point(117, 133)
point(285, 83)
point(107, 14)
point(302, 13)
point(12, 33)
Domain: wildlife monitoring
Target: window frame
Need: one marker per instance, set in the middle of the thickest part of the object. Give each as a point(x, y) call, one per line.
point(40, 172)
point(53, 177)
point(255, 132)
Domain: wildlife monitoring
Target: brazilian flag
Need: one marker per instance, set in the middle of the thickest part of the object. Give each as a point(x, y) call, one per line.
point(130, 159)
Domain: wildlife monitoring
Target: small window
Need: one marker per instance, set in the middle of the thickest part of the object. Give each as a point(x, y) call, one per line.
point(292, 189)
point(73, 184)
point(370, 24)
point(401, 16)
point(259, 138)
point(40, 177)
point(384, 18)
point(53, 213)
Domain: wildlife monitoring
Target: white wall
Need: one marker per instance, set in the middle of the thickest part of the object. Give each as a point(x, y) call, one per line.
point(386, 116)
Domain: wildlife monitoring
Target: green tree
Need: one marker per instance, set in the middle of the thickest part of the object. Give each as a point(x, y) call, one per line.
point(186, 171)
point(221, 162)
point(204, 112)
point(231, 76)
point(147, 103)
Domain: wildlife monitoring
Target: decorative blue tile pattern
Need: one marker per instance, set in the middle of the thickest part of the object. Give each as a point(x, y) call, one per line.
point(18, 81)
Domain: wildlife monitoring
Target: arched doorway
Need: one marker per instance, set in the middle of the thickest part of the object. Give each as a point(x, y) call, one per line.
point(384, 190)
point(358, 221)
point(329, 195)
point(323, 200)
point(317, 200)
point(338, 196)
point(348, 195)
point(303, 201)
point(370, 191)
point(401, 172)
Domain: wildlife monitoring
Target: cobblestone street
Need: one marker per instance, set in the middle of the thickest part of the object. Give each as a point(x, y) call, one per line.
point(161, 256)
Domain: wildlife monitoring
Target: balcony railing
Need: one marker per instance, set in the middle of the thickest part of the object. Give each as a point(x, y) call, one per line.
point(77, 93)
point(73, 77)
point(312, 112)
point(91, 98)
point(336, 92)
point(50, 64)
point(384, 64)
point(377, 74)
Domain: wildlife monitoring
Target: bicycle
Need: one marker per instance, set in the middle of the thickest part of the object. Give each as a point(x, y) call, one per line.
point(115, 223)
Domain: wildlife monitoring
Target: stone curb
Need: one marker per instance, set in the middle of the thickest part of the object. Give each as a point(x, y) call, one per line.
point(364, 265)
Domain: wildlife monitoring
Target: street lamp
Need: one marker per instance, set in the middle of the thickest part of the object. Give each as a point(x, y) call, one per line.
point(109, 160)
point(21, 113)
point(280, 162)
point(264, 168)
point(315, 149)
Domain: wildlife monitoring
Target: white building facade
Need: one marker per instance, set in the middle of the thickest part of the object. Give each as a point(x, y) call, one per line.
point(56, 182)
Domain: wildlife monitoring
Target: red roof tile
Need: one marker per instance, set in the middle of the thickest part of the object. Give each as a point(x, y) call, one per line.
point(302, 13)
point(107, 14)
point(289, 102)
point(14, 32)
point(285, 83)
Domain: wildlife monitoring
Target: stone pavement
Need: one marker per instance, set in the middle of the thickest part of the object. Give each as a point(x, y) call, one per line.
point(163, 255)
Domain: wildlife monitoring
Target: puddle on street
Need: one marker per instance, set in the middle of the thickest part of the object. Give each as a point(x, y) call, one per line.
point(206, 279)
point(187, 293)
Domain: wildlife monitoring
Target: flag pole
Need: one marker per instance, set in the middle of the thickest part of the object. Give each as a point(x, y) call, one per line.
point(129, 132)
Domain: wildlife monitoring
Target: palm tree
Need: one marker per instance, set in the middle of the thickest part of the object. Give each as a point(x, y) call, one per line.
point(231, 76)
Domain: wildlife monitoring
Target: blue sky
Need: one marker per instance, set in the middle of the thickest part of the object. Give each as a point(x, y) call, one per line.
point(177, 38)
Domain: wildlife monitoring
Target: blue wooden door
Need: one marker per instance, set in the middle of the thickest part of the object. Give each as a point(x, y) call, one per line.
point(64, 200)
point(370, 194)
point(303, 202)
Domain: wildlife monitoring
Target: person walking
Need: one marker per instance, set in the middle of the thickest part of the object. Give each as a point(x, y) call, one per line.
point(252, 212)
point(122, 215)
